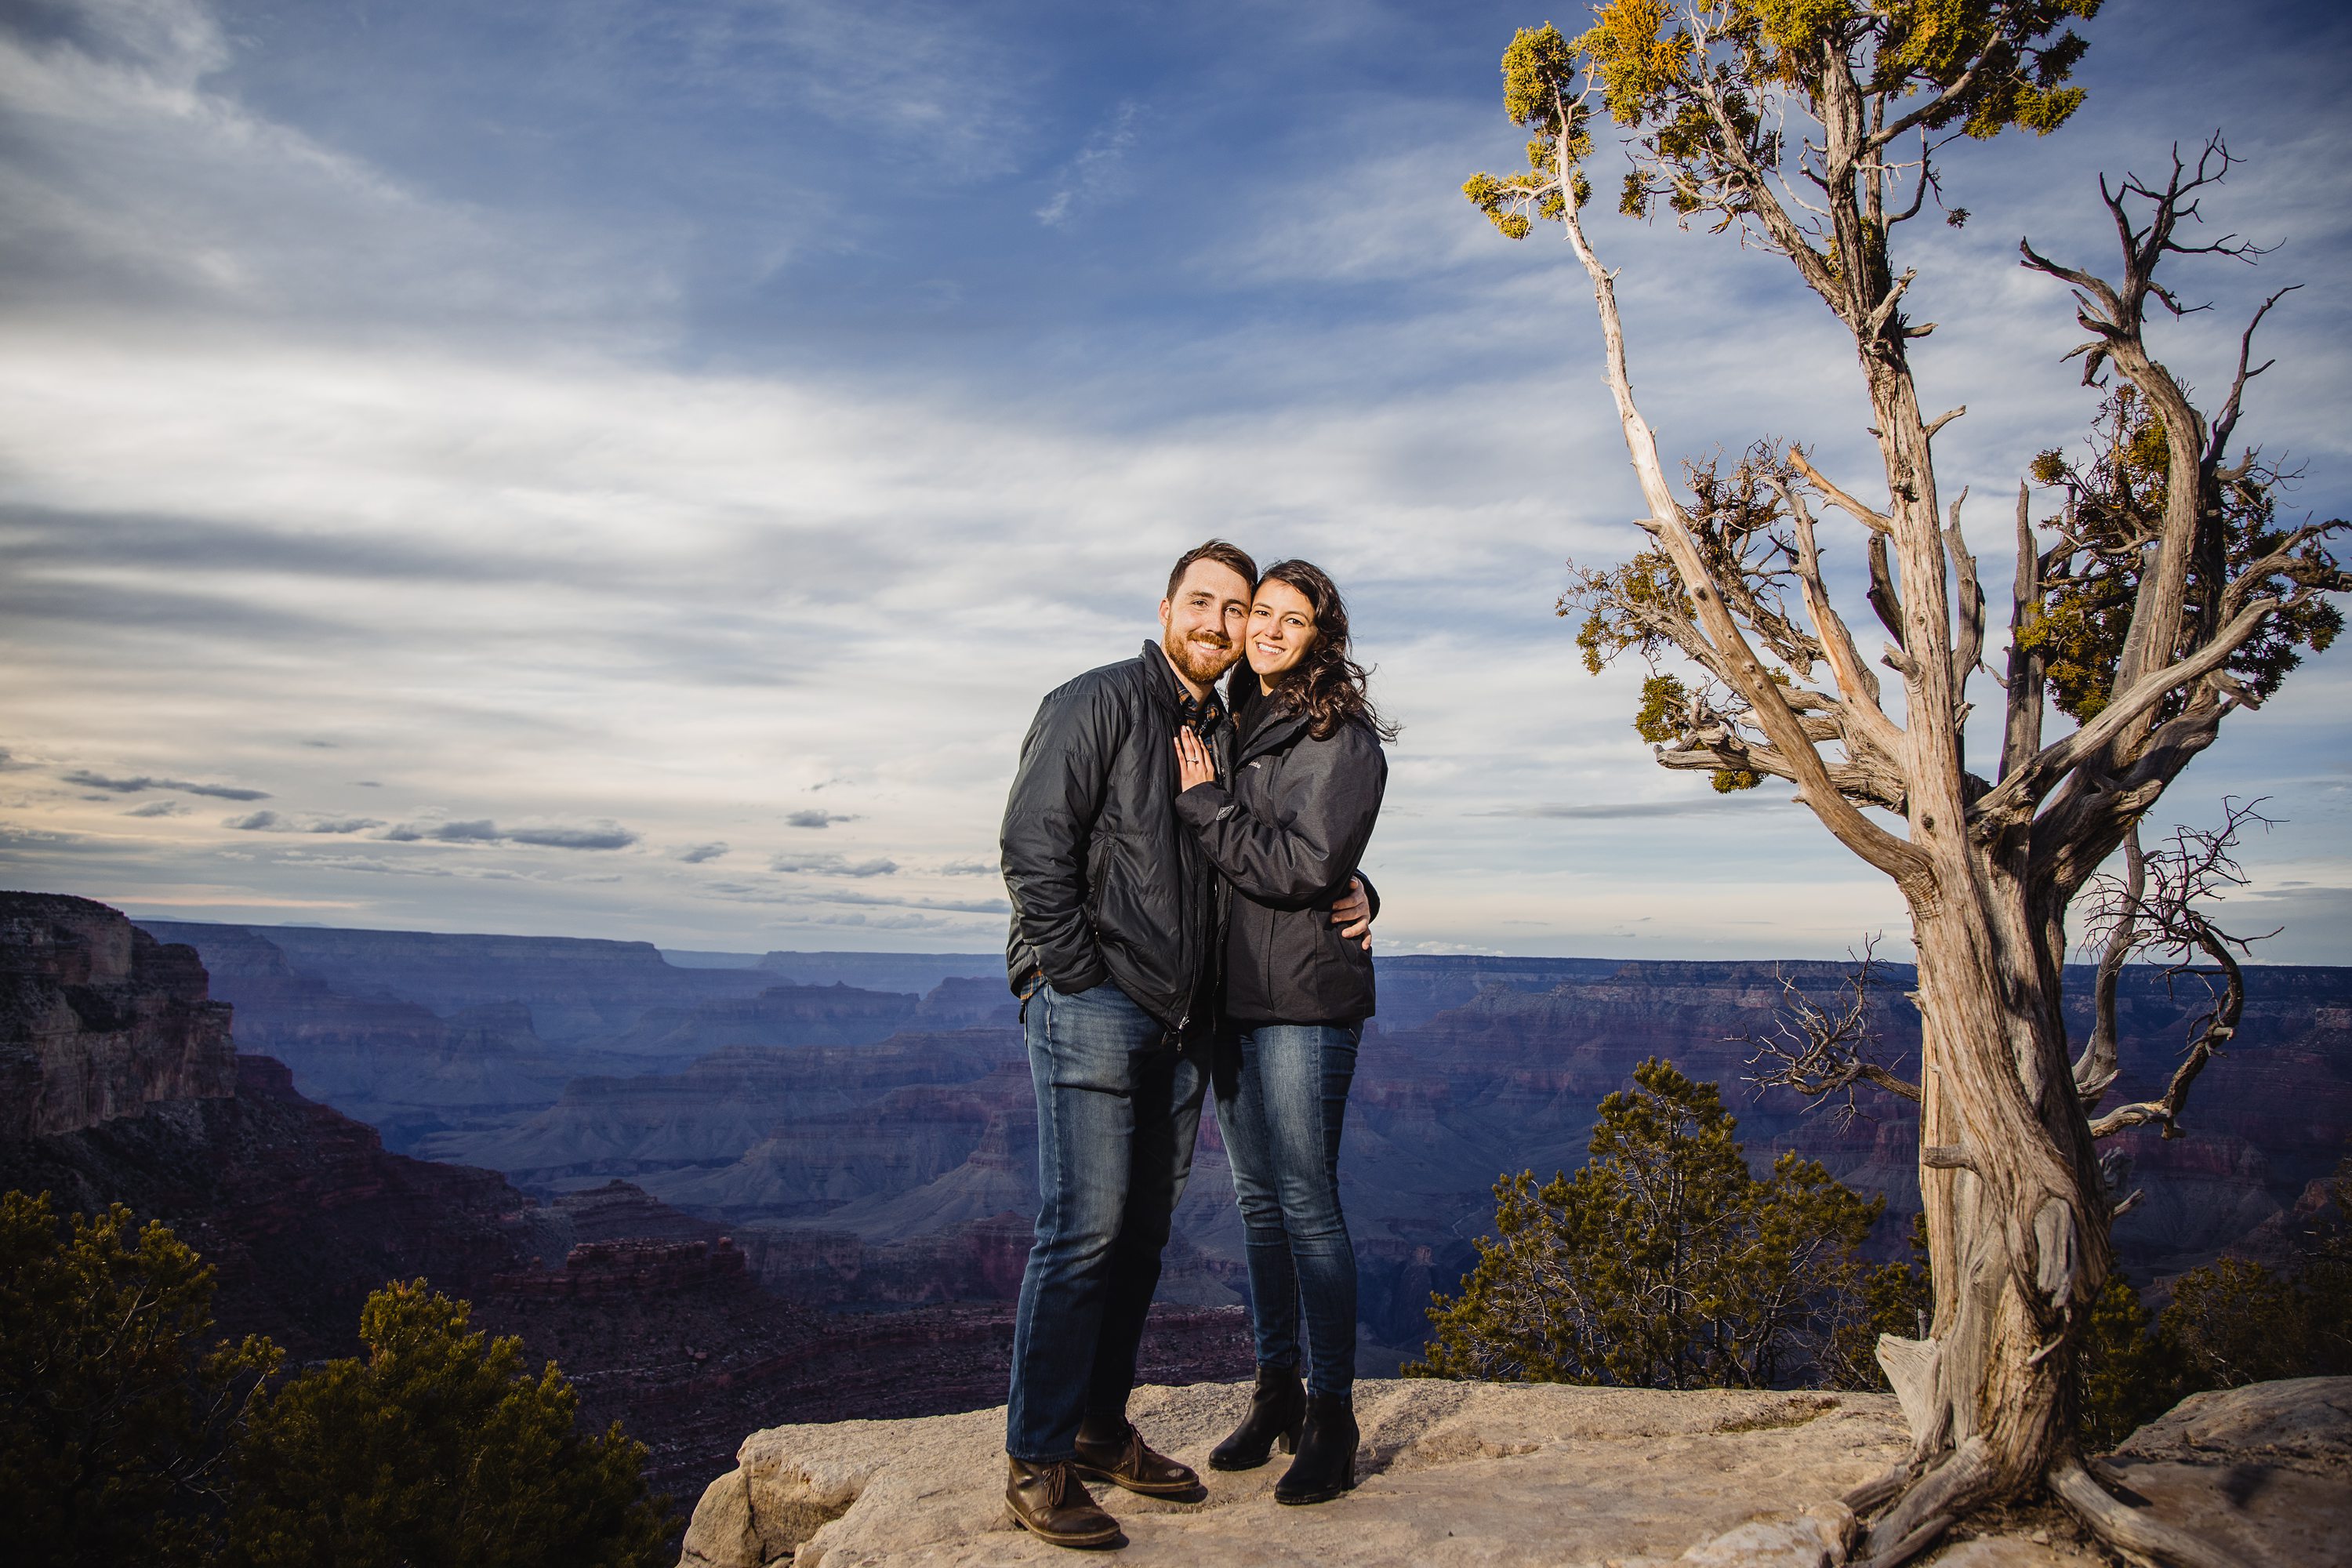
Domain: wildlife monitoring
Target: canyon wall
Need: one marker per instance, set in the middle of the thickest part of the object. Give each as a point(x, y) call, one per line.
point(98, 1020)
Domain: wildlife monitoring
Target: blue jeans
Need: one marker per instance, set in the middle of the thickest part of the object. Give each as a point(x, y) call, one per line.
point(1281, 1113)
point(1117, 1108)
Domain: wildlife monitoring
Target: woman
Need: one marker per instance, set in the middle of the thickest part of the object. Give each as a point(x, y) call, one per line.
point(1285, 831)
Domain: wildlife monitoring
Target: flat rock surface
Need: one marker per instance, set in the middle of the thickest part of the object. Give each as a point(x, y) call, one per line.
point(1448, 1474)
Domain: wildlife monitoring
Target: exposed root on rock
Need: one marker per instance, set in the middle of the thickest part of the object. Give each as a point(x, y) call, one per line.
point(2136, 1533)
point(1918, 1510)
point(1921, 1514)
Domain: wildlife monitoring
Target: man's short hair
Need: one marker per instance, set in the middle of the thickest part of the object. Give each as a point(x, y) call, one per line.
point(1218, 551)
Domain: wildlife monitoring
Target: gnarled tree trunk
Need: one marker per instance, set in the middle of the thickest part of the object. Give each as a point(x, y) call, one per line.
point(2018, 1216)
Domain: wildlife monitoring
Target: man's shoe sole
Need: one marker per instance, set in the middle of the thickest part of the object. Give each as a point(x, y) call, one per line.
point(1053, 1538)
point(1140, 1489)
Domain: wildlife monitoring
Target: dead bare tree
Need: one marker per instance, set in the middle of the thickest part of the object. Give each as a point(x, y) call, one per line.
point(1814, 132)
point(1827, 1052)
point(2160, 905)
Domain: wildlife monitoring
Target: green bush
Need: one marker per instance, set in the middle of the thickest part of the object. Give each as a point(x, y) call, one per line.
point(118, 1420)
point(1666, 1263)
point(2124, 1375)
point(2228, 1323)
point(127, 1436)
point(438, 1448)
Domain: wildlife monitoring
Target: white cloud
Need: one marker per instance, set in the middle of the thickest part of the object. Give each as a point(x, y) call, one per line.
point(293, 445)
point(832, 866)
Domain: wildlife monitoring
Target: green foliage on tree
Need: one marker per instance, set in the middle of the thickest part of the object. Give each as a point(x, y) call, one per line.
point(1693, 83)
point(1733, 517)
point(437, 1448)
point(2114, 501)
point(1666, 1263)
point(2124, 1376)
point(117, 1414)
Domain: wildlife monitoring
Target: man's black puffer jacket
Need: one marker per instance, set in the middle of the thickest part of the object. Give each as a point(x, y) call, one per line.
point(1286, 834)
point(1106, 884)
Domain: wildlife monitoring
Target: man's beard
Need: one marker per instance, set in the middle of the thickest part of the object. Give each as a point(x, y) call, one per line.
point(1197, 657)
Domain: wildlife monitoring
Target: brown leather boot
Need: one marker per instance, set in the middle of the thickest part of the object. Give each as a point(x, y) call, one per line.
point(1053, 1507)
point(1119, 1454)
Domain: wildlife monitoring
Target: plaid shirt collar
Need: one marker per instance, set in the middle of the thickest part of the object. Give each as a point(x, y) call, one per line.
point(1203, 716)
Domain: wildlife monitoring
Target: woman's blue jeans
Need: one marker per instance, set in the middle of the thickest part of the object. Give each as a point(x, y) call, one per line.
point(1281, 1118)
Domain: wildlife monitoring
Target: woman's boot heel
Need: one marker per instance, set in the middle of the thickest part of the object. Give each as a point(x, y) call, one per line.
point(1277, 1410)
point(1326, 1466)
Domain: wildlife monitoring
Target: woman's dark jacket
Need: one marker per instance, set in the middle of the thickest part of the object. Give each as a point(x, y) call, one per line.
point(1287, 834)
point(1106, 885)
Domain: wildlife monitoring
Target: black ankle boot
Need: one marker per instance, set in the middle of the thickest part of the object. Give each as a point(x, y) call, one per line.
point(1277, 1407)
point(1326, 1465)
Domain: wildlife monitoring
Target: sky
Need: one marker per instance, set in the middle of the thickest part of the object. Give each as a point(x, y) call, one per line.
point(627, 469)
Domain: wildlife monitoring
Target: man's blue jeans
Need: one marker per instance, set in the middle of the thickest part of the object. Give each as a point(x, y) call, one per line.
point(1281, 1119)
point(1117, 1108)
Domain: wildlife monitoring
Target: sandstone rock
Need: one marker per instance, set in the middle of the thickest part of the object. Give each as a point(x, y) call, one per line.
point(2302, 1417)
point(1449, 1473)
point(1808, 1540)
point(2014, 1551)
point(2263, 1472)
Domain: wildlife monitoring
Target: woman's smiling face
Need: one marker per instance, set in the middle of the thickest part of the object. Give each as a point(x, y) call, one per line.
point(1281, 630)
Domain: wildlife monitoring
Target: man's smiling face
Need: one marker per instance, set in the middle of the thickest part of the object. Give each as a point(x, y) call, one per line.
point(1200, 623)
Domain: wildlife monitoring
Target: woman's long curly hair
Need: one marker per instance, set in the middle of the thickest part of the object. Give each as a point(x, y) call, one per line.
point(1327, 685)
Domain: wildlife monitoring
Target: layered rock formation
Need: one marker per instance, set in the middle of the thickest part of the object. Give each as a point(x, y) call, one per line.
point(394, 1064)
point(1526, 1477)
point(919, 1153)
point(713, 1111)
point(897, 1167)
point(778, 1015)
point(98, 1020)
point(918, 971)
point(576, 988)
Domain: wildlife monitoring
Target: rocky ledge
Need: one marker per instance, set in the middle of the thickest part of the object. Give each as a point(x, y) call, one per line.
point(1504, 1476)
point(1448, 1473)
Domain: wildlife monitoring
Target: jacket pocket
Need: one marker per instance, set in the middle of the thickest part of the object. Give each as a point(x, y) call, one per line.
point(1114, 889)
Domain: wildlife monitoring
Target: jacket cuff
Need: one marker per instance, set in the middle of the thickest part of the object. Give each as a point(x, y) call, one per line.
point(1204, 803)
point(1371, 896)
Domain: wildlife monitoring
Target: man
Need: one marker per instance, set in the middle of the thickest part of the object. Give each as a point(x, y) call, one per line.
point(1117, 927)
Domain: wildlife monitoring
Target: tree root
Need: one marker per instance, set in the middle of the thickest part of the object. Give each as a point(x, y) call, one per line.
point(2136, 1533)
point(1927, 1510)
point(1878, 1489)
point(1934, 1502)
